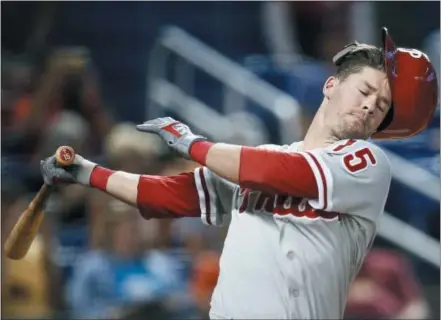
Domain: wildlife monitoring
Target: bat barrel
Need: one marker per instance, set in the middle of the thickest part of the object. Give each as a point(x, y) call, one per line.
point(21, 236)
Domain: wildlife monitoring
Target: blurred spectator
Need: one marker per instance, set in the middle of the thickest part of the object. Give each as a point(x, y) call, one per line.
point(204, 279)
point(33, 100)
point(18, 75)
point(133, 151)
point(25, 286)
point(109, 280)
point(386, 288)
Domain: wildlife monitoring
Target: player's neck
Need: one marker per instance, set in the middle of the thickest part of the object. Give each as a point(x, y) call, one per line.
point(318, 134)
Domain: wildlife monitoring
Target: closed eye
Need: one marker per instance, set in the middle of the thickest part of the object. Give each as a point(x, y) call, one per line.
point(364, 93)
point(384, 103)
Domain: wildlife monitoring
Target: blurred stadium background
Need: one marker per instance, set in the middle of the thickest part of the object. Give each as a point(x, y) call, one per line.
point(82, 73)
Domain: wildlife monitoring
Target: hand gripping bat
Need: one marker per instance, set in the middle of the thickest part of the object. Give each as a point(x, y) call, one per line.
point(24, 231)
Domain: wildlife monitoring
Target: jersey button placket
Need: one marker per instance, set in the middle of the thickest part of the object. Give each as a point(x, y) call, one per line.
point(294, 292)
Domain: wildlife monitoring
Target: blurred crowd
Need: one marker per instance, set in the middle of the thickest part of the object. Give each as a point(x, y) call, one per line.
point(96, 257)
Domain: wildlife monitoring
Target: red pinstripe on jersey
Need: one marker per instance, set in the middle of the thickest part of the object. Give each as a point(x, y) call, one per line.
point(322, 175)
point(348, 143)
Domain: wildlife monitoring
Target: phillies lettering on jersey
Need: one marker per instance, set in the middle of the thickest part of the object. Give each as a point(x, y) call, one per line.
point(257, 202)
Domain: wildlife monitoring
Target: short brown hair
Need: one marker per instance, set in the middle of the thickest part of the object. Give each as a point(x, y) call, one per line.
point(355, 56)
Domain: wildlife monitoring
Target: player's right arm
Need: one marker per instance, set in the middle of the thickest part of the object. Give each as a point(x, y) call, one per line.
point(191, 194)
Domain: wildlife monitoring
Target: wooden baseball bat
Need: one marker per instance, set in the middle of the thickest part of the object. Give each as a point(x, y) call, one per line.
point(21, 236)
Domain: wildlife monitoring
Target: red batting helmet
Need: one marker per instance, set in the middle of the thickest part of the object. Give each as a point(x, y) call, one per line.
point(414, 88)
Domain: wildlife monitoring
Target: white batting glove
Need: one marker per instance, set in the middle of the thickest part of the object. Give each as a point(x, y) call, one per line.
point(177, 135)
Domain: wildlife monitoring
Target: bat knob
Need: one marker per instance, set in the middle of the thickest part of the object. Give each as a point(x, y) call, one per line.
point(65, 156)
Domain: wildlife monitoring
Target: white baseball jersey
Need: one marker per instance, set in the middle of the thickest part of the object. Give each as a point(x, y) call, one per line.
point(292, 258)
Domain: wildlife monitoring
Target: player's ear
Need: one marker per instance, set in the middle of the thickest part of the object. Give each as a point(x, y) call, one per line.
point(329, 86)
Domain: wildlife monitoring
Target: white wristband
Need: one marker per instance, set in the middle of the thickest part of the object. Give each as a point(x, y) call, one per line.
point(84, 170)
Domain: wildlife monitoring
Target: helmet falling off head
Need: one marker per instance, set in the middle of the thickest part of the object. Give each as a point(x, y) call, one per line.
point(413, 84)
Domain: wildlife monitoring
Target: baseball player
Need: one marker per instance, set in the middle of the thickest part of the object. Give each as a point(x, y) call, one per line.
point(303, 216)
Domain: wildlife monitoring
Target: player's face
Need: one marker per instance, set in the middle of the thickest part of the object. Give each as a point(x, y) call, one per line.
point(357, 105)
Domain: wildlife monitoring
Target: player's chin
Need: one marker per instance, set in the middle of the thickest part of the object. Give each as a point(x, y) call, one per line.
point(355, 131)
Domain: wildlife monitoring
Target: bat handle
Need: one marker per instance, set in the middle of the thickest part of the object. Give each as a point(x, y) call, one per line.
point(39, 200)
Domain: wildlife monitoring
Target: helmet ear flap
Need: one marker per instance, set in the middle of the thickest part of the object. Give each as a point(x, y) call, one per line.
point(387, 119)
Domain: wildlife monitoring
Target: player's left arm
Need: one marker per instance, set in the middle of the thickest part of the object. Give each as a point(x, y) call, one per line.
point(255, 168)
point(258, 169)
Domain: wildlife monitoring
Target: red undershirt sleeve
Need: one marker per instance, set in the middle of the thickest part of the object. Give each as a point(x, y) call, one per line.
point(158, 196)
point(277, 172)
point(168, 197)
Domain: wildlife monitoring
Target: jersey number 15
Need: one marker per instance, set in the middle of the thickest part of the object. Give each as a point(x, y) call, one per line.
point(359, 160)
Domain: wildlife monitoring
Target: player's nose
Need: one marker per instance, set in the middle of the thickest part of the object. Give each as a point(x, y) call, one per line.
point(369, 108)
point(369, 104)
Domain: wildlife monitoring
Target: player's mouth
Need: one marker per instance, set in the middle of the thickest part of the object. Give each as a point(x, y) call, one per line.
point(359, 117)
